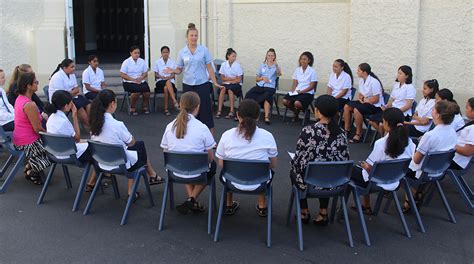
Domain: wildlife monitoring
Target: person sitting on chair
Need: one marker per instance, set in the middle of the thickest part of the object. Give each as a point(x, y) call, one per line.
point(165, 82)
point(231, 74)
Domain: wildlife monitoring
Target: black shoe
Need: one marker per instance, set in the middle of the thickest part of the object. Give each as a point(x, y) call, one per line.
point(263, 212)
point(186, 206)
point(230, 210)
point(198, 208)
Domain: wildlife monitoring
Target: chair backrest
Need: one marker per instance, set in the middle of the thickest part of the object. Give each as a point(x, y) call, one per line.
point(329, 174)
point(59, 145)
point(413, 107)
point(112, 155)
point(353, 93)
point(436, 163)
point(277, 83)
point(46, 92)
point(389, 171)
point(246, 172)
point(186, 163)
point(6, 139)
point(217, 64)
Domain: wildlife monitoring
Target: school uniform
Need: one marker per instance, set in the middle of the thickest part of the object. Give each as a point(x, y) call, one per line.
point(159, 67)
point(378, 154)
point(7, 112)
point(195, 79)
point(339, 83)
point(134, 69)
point(66, 82)
point(94, 79)
point(441, 138)
point(233, 145)
point(115, 132)
point(399, 95)
point(423, 109)
point(198, 139)
point(59, 124)
point(458, 122)
point(465, 136)
point(369, 88)
point(232, 71)
point(263, 92)
point(304, 79)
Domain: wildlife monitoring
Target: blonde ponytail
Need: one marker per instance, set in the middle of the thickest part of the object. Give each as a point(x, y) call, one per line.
point(188, 103)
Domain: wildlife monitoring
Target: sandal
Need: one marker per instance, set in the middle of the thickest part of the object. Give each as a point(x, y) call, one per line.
point(230, 115)
point(263, 212)
point(133, 112)
point(35, 179)
point(356, 139)
point(197, 208)
point(156, 180)
point(267, 120)
point(176, 105)
point(167, 113)
point(136, 197)
point(323, 221)
point(218, 114)
point(230, 210)
point(146, 111)
point(90, 187)
point(186, 206)
point(305, 218)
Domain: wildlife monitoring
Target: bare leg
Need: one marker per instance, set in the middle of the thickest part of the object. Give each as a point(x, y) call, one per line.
point(133, 101)
point(266, 107)
point(347, 117)
point(298, 106)
point(82, 113)
point(169, 88)
point(231, 100)
point(150, 171)
point(262, 203)
point(358, 119)
point(146, 100)
point(230, 199)
point(221, 99)
point(165, 96)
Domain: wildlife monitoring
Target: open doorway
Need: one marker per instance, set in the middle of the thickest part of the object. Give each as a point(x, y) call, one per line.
point(108, 28)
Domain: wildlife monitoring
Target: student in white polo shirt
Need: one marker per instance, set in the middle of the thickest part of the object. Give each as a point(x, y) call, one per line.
point(340, 83)
point(465, 143)
point(106, 129)
point(231, 74)
point(394, 145)
point(165, 82)
point(93, 80)
point(7, 112)
point(249, 142)
point(187, 134)
point(63, 78)
point(369, 101)
point(447, 95)
point(134, 72)
point(441, 138)
point(303, 87)
point(421, 120)
point(402, 97)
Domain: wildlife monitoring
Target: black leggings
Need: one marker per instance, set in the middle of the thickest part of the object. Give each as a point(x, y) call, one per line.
point(323, 202)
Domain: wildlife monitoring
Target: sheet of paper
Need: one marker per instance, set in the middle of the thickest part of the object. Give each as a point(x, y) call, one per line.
point(292, 93)
point(292, 155)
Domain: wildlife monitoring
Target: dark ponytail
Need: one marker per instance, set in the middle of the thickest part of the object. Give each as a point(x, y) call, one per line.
point(434, 86)
point(398, 135)
point(65, 63)
point(328, 107)
point(446, 94)
point(98, 108)
point(248, 113)
point(365, 67)
point(229, 52)
point(59, 100)
point(346, 68)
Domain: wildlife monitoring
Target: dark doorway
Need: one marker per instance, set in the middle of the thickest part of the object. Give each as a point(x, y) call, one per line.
point(108, 28)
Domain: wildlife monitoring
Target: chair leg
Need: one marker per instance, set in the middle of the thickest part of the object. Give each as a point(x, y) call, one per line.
point(6, 165)
point(387, 205)
point(80, 189)
point(400, 213)
point(469, 191)
point(214, 196)
point(123, 102)
point(361, 217)
point(67, 177)
point(276, 106)
point(462, 191)
point(98, 182)
point(131, 196)
point(378, 203)
point(148, 189)
point(333, 209)
point(269, 216)
point(445, 201)
point(163, 204)
point(219, 214)
point(413, 205)
point(211, 202)
point(290, 207)
point(115, 187)
point(299, 225)
point(346, 221)
point(46, 183)
point(12, 173)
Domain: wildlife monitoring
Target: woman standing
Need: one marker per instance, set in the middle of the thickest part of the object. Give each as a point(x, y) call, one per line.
point(193, 61)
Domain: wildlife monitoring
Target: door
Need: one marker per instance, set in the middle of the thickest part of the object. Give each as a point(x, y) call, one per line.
point(145, 22)
point(70, 48)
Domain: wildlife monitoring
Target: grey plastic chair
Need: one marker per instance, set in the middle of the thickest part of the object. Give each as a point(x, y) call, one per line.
point(46, 92)
point(6, 141)
point(114, 156)
point(467, 194)
point(60, 145)
point(384, 172)
point(246, 172)
point(126, 100)
point(187, 164)
point(324, 180)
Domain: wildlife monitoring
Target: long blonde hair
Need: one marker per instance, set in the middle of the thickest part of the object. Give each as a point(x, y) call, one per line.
point(188, 103)
point(22, 68)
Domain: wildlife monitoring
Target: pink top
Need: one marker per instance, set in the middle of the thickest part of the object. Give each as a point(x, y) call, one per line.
point(23, 134)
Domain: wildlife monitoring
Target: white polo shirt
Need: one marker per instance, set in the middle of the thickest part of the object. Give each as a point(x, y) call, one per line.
point(7, 112)
point(371, 87)
point(61, 81)
point(378, 154)
point(465, 136)
point(305, 78)
point(232, 145)
point(94, 79)
point(441, 138)
point(115, 132)
point(402, 93)
point(458, 122)
point(337, 84)
point(198, 138)
point(424, 109)
point(59, 124)
point(133, 68)
point(161, 65)
point(231, 71)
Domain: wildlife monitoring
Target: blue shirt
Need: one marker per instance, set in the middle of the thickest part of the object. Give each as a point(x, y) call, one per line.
point(270, 72)
point(194, 65)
